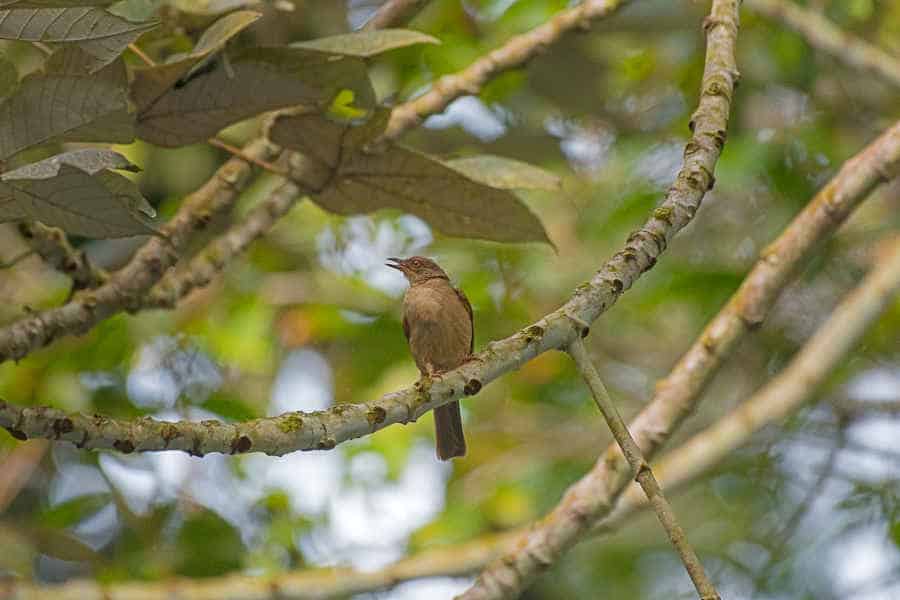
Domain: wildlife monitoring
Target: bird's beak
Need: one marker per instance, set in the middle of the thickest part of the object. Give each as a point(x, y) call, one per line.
point(395, 263)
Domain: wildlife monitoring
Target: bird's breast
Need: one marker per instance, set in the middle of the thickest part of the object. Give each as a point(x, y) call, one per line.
point(440, 328)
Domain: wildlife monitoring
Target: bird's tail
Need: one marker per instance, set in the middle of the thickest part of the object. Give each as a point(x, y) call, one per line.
point(448, 431)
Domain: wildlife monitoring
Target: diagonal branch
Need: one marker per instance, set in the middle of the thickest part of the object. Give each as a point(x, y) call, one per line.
point(514, 53)
point(642, 474)
point(788, 391)
point(209, 262)
point(325, 429)
point(828, 37)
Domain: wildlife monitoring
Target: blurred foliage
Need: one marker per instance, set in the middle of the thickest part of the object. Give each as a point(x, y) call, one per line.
point(309, 316)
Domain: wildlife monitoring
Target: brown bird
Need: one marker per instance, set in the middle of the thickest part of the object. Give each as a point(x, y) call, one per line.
point(438, 323)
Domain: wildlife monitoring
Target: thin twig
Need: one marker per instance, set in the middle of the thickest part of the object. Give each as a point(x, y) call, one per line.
point(142, 55)
point(828, 37)
point(238, 152)
point(642, 472)
point(47, 50)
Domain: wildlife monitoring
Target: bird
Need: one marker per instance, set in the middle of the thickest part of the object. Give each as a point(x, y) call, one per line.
point(440, 329)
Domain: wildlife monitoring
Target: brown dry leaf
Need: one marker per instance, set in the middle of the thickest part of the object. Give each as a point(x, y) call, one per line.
point(76, 192)
point(98, 32)
point(66, 103)
point(152, 82)
point(230, 89)
point(397, 177)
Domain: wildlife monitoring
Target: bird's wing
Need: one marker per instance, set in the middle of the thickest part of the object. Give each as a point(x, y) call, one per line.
point(468, 307)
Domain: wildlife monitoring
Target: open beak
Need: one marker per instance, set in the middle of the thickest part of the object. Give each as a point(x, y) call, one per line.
point(395, 263)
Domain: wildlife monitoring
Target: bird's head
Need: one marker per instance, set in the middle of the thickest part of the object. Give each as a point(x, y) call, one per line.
point(417, 268)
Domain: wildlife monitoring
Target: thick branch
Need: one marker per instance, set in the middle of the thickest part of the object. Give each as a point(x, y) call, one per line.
point(828, 37)
point(642, 474)
point(790, 389)
point(325, 429)
point(318, 584)
point(127, 286)
point(53, 246)
point(514, 53)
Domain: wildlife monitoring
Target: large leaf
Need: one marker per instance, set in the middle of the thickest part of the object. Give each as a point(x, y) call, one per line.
point(227, 90)
point(152, 82)
point(65, 103)
point(77, 192)
point(397, 177)
point(96, 31)
point(364, 44)
point(505, 173)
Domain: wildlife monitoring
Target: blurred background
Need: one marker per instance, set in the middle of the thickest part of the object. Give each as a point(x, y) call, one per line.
point(309, 318)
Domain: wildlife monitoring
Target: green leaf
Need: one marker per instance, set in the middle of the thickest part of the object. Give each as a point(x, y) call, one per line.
point(101, 204)
point(152, 82)
point(100, 33)
point(230, 89)
point(505, 173)
point(364, 44)
point(207, 545)
point(71, 512)
point(397, 177)
point(61, 544)
point(65, 103)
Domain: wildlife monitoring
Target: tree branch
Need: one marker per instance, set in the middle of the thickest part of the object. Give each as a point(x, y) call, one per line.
point(828, 37)
point(208, 263)
point(311, 584)
point(125, 289)
point(53, 246)
point(642, 474)
point(514, 53)
point(325, 429)
point(788, 391)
